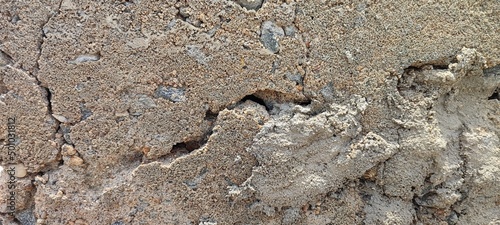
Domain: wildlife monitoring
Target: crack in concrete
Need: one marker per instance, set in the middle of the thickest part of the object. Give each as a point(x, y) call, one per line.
point(188, 147)
point(463, 169)
point(192, 145)
point(37, 68)
point(48, 93)
point(48, 98)
point(42, 39)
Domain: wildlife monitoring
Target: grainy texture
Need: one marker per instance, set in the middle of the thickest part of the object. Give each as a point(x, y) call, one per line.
point(251, 112)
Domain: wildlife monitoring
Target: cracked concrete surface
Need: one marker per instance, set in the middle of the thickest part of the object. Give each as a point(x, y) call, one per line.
point(251, 112)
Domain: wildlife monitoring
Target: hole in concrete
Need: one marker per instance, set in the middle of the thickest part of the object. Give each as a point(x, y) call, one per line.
point(180, 16)
point(440, 63)
point(185, 147)
point(48, 93)
point(257, 100)
point(192, 145)
point(495, 95)
point(272, 97)
point(210, 116)
point(179, 149)
point(440, 67)
point(269, 99)
point(305, 102)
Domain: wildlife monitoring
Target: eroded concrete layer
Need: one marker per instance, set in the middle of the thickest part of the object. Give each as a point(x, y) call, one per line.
point(251, 112)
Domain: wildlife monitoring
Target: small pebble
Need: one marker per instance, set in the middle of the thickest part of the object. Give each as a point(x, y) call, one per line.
point(197, 54)
point(85, 58)
point(349, 56)
point(145, 150)
point(86, 112)
point(60, 118)
point(269, 36)
point(185, 12)
point(20, 170)
point(250, 4)
point(80, 222)
point(295, 77)
point(40, 179)
point(290, 31)
point(68, 150)
point(75, 161)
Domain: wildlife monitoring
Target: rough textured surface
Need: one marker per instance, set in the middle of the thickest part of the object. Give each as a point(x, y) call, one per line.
point(251, 112)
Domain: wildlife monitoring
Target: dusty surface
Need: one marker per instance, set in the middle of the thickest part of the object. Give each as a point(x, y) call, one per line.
point(250, 112)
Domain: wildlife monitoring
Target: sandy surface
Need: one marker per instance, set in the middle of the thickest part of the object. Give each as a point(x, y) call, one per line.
point(249, 112)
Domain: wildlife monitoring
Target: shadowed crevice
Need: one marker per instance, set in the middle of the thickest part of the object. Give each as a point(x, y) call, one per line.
point(495, 95)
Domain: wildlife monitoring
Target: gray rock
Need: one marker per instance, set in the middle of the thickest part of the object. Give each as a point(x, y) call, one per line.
point(26, 217)
point(171, 93)
point(290, 31)
point(250, 4)
point(270, 33)
point(86, 112)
